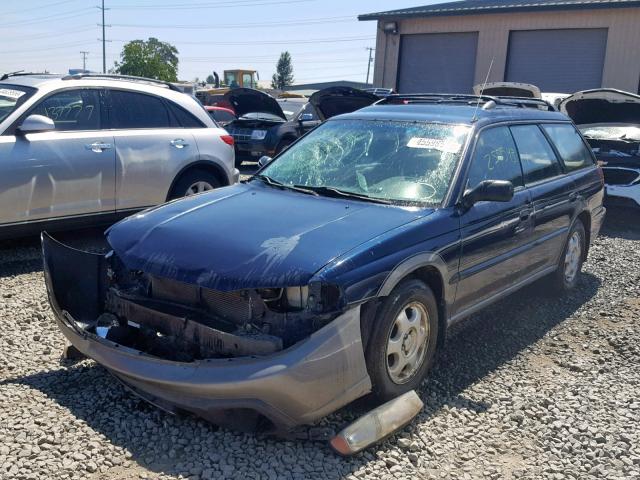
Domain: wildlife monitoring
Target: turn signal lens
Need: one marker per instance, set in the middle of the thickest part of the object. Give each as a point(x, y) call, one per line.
point(378, 424)
point(228, 139)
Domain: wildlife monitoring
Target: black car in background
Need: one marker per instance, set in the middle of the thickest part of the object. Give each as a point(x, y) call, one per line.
point(266, 126)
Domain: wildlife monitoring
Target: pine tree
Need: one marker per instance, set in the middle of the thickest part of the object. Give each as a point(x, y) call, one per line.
point(284, 72)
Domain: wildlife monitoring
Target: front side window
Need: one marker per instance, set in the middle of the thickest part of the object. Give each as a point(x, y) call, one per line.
point(538, 160)
point(495, 158)
point(11, 97)
point(405, 162)
point(71, 109)
point(569, 144)
point(137, 110)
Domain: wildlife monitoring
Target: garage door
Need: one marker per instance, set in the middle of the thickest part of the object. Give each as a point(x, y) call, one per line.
point(561, 61)
point(437, 63)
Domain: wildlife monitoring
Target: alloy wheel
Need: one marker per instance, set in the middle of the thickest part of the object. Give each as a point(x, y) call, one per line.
point(407, 343)
point(198, 187)
point(572, 257)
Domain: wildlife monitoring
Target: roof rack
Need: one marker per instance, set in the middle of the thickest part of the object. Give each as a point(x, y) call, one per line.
point(466, 99)
point(130, 78)
point(22, 73)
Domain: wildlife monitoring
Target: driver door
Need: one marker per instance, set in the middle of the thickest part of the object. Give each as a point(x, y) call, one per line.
point(495, 235)
point(61, 173)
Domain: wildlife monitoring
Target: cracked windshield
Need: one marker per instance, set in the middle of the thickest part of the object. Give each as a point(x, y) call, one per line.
point(388, 161)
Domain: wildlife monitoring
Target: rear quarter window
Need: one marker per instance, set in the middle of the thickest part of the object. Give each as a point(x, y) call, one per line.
point(572, 149)
point(537, 158)
point(184, 118)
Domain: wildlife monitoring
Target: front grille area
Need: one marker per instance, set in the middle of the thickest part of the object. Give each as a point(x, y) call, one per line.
point(230, 306)
point(620, 176)
point(241, 134)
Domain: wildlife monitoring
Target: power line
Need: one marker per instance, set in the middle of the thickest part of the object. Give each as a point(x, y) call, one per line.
point(49, 5)
point(48, 18)
point(245, 25)
point(276, 42)
point(224, 4)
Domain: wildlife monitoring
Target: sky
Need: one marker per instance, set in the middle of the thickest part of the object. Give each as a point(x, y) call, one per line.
point(324, 37)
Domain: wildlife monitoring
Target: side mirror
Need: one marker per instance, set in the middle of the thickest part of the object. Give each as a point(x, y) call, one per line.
point(305, 117)
point(36, 123)
point(488, 191)
point(264, 161)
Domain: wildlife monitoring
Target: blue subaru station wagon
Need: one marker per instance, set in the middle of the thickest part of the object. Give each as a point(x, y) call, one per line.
point(336, 271)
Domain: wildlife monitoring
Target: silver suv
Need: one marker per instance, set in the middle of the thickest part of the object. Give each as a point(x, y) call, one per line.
point(87, 149)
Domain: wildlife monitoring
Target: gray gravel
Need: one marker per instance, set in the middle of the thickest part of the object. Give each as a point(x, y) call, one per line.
point(534, 387)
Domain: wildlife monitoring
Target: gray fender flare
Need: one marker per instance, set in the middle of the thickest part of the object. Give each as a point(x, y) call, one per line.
point(404, 268)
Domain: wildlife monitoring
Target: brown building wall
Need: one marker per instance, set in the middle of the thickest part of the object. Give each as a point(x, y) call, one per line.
point(622, 59)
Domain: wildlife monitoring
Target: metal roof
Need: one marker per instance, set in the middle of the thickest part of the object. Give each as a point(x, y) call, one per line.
point(465, 7)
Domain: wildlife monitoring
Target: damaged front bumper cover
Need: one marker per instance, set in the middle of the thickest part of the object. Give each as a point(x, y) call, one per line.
point(292, 387)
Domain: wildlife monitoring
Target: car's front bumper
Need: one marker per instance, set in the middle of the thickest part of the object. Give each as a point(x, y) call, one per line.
point(296, 386)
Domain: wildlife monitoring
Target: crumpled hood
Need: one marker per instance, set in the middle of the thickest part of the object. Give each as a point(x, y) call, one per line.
point(249, 236)
point(601, 106)
point(248, 100)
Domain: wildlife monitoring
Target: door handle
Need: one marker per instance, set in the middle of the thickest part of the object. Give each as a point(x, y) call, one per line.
point(525, 214)
point(98, 147)
point(179, 143)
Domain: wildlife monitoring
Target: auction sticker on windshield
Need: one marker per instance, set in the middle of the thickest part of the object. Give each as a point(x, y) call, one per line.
point(444, 145)
point(6, 92)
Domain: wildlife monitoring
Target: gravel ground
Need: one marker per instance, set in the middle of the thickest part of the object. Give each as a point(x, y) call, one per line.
point(534, 387)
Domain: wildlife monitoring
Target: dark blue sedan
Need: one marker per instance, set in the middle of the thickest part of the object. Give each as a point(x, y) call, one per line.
point(338, 269)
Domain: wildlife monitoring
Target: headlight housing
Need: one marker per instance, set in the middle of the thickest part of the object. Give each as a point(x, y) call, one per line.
point(258, 134)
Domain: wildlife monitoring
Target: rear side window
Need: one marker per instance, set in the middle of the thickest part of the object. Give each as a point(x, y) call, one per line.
point(137, 110)
point(71, 109)
point(495, 158)
point(569, 144)
point(184, 118)
point(536, 155)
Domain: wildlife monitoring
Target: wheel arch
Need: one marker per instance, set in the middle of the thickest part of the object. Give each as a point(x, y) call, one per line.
point(432, 270)
point(205, 165)
point(585, 218)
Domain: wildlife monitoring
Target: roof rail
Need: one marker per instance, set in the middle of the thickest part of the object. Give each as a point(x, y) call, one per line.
point(130, 78)
point(467, 99)
point(22, 73)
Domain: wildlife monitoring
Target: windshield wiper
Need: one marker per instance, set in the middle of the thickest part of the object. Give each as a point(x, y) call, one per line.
point(275, 183)
point(335, 192)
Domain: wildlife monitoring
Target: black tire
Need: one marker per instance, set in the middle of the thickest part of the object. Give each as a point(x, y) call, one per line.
point(409, 291)
point(284, 143)
point(192, 177)
point(562, 283)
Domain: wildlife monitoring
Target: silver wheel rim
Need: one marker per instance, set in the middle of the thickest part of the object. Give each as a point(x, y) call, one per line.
point(198, 187)
point(572, 257)
point(407, 343)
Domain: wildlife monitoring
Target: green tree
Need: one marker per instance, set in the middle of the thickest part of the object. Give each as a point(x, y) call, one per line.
point(151, 59)
point(211, 79)
point(284, 72)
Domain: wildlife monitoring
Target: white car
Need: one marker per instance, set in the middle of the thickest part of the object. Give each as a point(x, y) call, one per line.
point(81, 150)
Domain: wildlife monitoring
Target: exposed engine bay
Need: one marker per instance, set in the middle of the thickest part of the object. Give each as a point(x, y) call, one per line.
point(186, 322)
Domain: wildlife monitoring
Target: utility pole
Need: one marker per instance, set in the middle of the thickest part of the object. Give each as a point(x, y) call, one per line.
point(104, 40)
point(84, 59)
point(371, 50)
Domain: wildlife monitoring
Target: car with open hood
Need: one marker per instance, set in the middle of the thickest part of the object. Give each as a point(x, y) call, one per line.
point(266, 125)
point(508, 89)
point(610, 121)
point(353, 253)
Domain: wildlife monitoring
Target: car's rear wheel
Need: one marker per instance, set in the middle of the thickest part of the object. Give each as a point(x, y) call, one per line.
point(194, 182)
point(570, 265)
point(403, 341)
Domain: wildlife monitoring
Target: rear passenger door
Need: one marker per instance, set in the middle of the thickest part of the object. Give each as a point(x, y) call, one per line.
point(494, 234)
point(552, 193)
point(151, 148)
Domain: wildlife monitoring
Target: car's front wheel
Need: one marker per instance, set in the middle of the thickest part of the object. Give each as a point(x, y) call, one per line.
point(193, 182)
point(403, 340)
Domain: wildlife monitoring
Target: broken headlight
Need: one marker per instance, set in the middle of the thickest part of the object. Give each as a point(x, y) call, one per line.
point(315, 297)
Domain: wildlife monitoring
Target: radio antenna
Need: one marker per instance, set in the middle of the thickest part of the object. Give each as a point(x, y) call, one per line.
point(486, 79)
